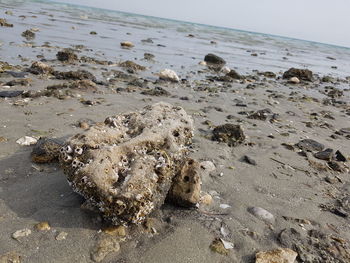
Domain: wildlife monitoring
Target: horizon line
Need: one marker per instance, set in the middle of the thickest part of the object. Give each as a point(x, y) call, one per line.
point(200, 24)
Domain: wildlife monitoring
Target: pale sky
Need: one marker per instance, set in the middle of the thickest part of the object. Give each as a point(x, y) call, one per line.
point(326, 21)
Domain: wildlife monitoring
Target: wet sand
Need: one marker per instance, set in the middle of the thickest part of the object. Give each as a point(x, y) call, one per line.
point(283, 181)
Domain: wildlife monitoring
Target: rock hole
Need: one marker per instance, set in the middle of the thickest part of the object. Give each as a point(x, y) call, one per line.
point(186, 179)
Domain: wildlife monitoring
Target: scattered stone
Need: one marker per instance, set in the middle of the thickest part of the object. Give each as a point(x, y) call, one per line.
point(75, 75)
point(10, 257)
point(93, 33)
point(294, 80)
point(157, 91)
point(104, 247)
point(335, 93)
point(260, 114)
point(267, 74)
point(206, 199)
point(10, 93)
point(186, 187)
point(42, 226)
point(119, 231)
point(233, 74)
point(126, 165)
point(310, 145)
point(326, 155)
point(4, 23)
point(208, 166)
point(214, 59)
point(148, 56)
point(262, 214)
point(3, 139)
point(21, 233)
point(218, 246)
point(131, 65)
point(229, 133)
point(61, 236)
point(303, 74)
point(126, 44)
point(83, 85)
point(331, 179)
point(26, 140)
point(336, 166)
point(28, 34)
point(20, 82)
point(279, 255)
point(46, 150)
point(169, 75)
point(249, 160)
point(225, 70)
point(67, 55)
point(40, 68)
point(340, 157)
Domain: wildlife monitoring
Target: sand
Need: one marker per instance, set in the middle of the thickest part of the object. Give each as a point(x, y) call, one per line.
point(282, 181)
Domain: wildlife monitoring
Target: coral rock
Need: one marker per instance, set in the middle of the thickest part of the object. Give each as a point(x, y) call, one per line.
point(46, 150)
point(186, 187)
point(303, 74)
point(40, 68)
point(229, 133)
point(66, 55)
point(280, 255)
point(126, 165)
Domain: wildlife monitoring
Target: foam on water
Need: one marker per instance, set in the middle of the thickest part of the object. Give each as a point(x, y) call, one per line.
point(56, 20)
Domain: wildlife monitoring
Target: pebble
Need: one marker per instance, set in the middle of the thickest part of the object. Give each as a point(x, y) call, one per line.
point(294, 80)
point(21, 233)
point(115, 231)
point(280, 255)
point(61, 236)
point(326, 155)
point(170, 75)
point(26, 140)
point(249, 160)
point(208, 166)
point(262, 214)
point(127, 44)
point(103, 247)
point(10, 257)
point(206, 199)
point(42, 226)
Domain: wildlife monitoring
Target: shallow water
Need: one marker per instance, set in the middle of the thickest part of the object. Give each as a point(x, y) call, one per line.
point(56, 20)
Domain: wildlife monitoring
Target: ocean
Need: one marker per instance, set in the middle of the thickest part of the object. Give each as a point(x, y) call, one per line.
point(67, 25)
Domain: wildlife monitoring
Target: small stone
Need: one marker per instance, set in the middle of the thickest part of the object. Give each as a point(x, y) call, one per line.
point(303, 74)
point(28, 34)
point(331, 179)
point(233, 74)
point(131, 65)
point(84, 125)
point(326, 155)
point(262, 214)
point(66, 55)
point(104, 247)
point(3, 22)
point(10, 93)
point(224, 206)
point(40, 68)
point(208, 166)
point(93, 33)
point(61, 236)
point(42, 226)
point(225, 70)
point(206, 199)
point(280, 255)
point(115, 231)
point(46, 150)
point(127, 44)
point(157, 91)
point(214, 59)
point(336, 166)
point(249, 160)
point(169, 75)
point(218, 247)
point(26, 140)
point(10, 257)
point(310, 145)
point(21, 233)
point(3, 139)
point(186, 187)
point(340, 157)
point(148, 56)
point(229, 133)
point(294, 80)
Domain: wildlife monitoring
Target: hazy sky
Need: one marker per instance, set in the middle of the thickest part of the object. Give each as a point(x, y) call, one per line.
point(325, 21)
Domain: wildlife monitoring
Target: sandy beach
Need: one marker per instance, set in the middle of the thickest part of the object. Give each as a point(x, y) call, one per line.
point(303, 188)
